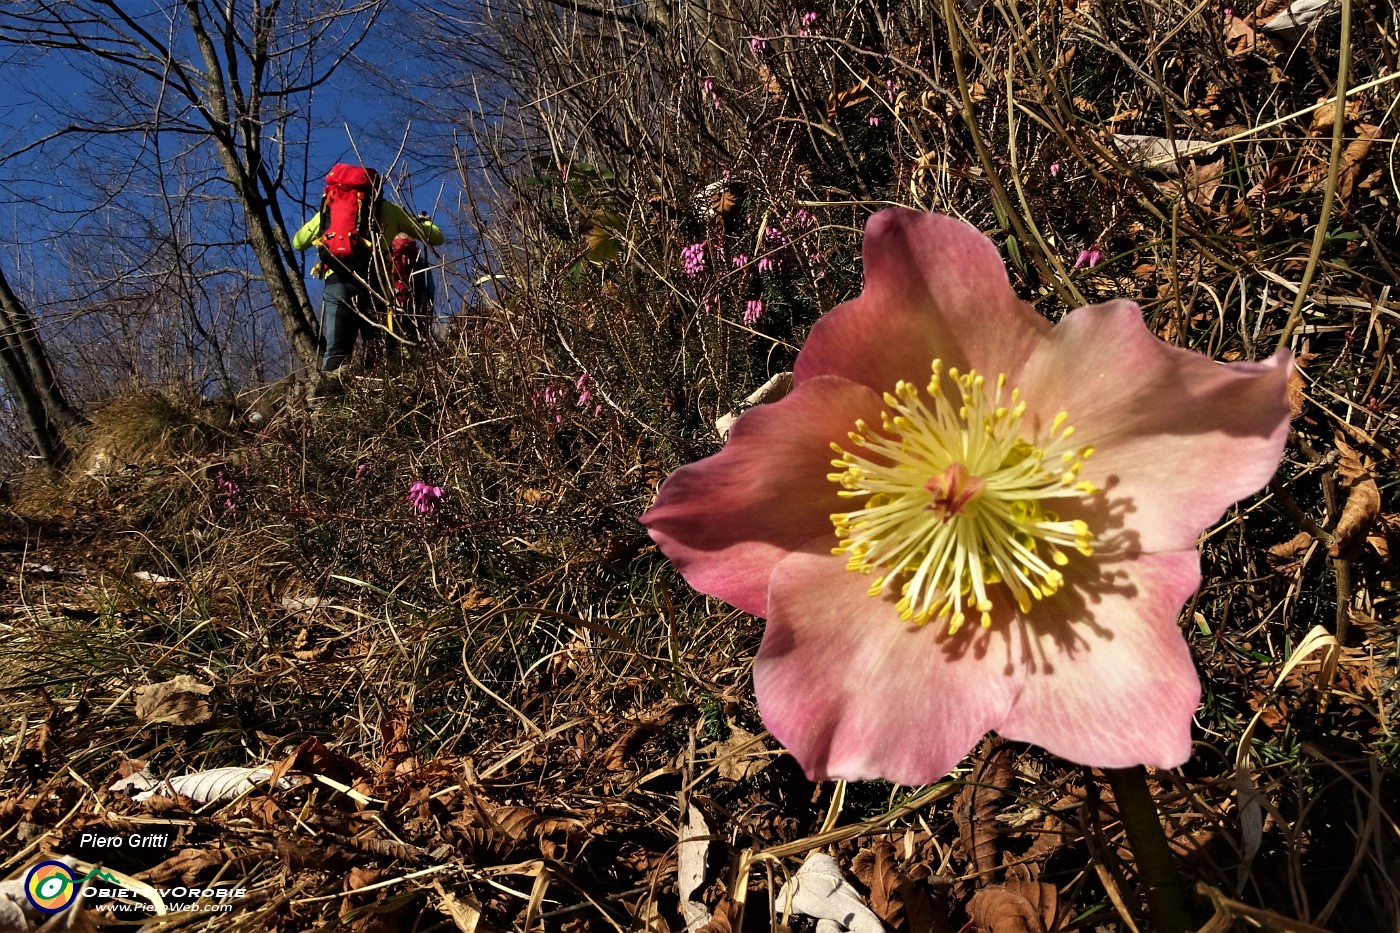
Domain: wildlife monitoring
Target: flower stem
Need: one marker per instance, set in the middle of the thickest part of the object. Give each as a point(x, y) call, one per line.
point(1166, 898)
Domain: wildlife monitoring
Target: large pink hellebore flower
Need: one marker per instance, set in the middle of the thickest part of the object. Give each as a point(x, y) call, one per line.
point(1010, 530)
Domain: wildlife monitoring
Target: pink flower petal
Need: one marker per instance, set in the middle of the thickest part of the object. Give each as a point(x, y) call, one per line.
point(855, 693)
point(1116, 687)
point(1178, 437)
point(727, 520)
point(935, 288)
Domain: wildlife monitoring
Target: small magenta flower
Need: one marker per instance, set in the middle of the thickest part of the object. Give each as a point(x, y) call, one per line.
point(758, 44)
point(361, 470)
point(740, 260)
point(1054, 170)
point(693, 259)
point(425, 497)
point(768, 264)
point(808, 19)
point(709, 87)
point(874, 120)
point(229, 489)
point(1009, 531)
point(1088, 258)
point(753, 310)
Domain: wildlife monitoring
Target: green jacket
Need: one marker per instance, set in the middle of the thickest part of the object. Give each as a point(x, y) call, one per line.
point(393, 220)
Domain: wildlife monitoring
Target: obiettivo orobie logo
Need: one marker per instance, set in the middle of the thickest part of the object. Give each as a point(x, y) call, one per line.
point(51, 886)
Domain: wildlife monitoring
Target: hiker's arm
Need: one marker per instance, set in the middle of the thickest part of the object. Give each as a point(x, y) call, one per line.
point(307, 233)
point(398, 220)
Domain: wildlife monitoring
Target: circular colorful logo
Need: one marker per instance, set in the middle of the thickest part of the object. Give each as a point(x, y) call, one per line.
point(51, 886)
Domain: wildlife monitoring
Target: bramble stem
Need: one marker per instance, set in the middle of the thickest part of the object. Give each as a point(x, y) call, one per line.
point(1166, 898)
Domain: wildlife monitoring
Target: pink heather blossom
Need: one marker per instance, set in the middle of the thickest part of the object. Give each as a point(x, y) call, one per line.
point(808, 19)
point(753, 310)
point(1089, 258)
point(1054, 170)
point(874, 120)
point(693, 259)
point(709, 87)
point(229, 489)
point(767, 264)
point(425, 497)
point(758, 45)
point(740, 260)
point(1010, 531)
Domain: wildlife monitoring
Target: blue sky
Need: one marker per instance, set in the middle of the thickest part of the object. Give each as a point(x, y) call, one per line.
point(41, 91)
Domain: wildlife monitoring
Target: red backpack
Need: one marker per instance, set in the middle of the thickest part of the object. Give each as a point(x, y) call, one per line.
point(405, 253)
point(349, 218)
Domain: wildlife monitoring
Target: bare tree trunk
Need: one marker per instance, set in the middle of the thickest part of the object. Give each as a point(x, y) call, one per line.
point(235, 116)
point(31, 381)
point(251, 74)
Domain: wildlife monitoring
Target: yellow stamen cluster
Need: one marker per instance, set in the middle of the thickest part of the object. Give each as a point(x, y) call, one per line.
point(954, 500)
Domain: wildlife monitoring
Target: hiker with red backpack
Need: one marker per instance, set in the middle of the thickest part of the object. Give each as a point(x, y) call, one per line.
point(414, 290)
point(352, 232)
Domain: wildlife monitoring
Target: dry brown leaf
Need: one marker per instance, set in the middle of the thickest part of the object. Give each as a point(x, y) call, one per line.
point(307, 647)
point(187, 865)
point(1297, 387)
point(1362, 507)
point(724, 202)
point(1356, 470)
point(894, 898)
point(976, 808)
point(517, 823)
point(1353, 466)
point(997, 909)
point(739, 757)
point(725, 919)
point(465, 912)
point(1386, 539)
point(1352, 157)
point(620, 752)
point(1287, 556)
point(179, 701)
point(851, 97)
point(1240, 38)
point(1043, 897)
point(1203, 182)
